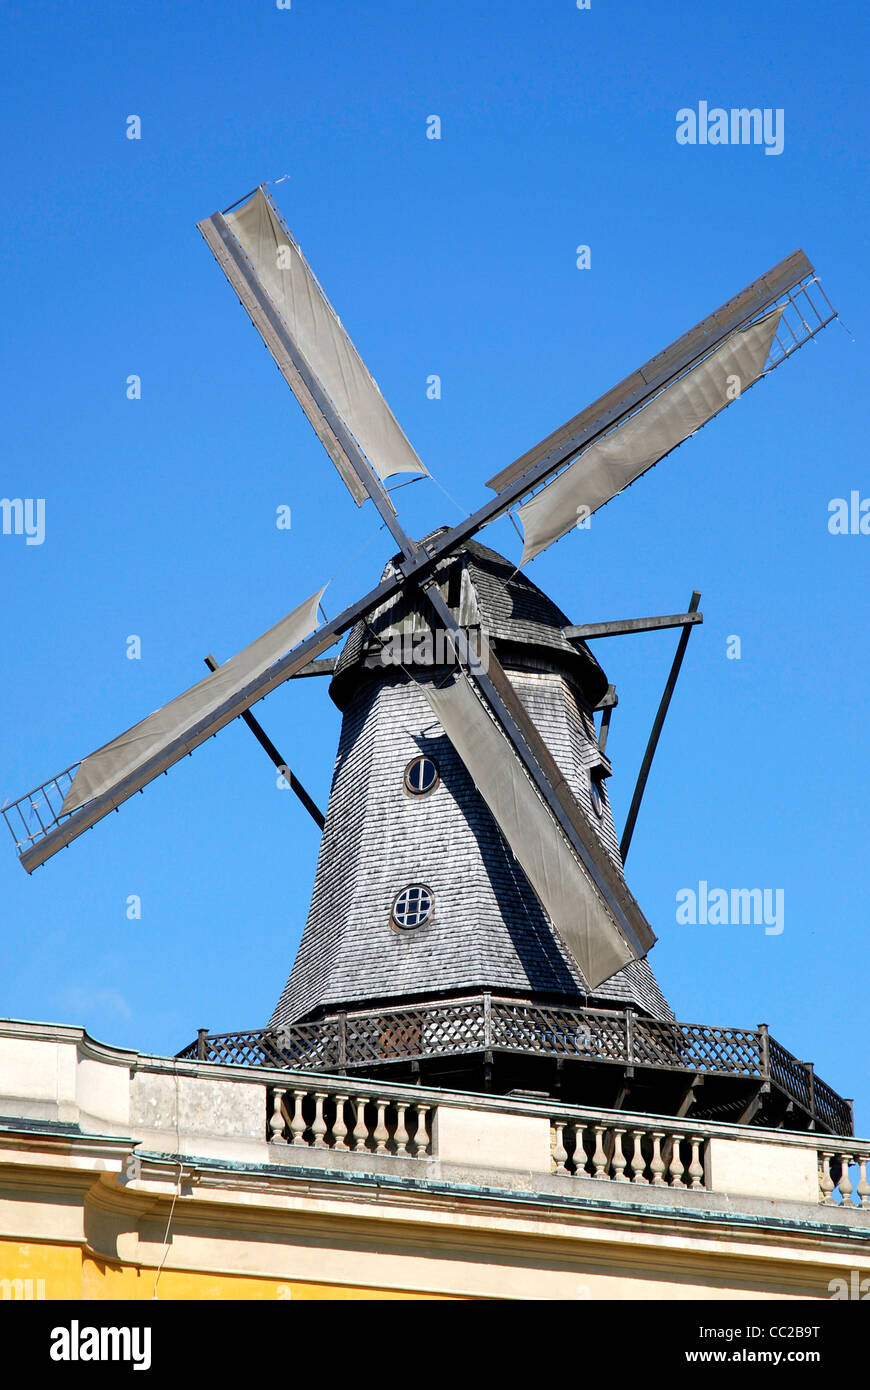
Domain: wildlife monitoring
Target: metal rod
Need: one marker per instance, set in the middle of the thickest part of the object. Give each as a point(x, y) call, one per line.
point(656, 731)
point(265, 742)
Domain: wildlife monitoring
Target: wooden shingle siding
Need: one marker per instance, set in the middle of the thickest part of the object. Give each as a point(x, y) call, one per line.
point(488, 930)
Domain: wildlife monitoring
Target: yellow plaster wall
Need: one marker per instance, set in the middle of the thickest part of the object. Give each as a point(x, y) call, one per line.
point(68, 1272)
point(58, 1266)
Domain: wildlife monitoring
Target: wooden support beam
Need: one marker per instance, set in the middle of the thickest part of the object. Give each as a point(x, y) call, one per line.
point(322, 667)
point(609, 699)
point(754, 1105)
point(606, 713)
point(625, 625)
point(624, 1089)
point(690, 1095)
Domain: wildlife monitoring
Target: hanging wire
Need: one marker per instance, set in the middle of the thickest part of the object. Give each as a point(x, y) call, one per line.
point(175, 1198)
point(450, 498)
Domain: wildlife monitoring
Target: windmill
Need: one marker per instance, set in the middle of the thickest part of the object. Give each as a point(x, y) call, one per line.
point(566, 865)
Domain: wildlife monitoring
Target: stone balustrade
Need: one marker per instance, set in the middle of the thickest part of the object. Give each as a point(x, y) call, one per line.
point(654, 1155)
point(327, 1119)
point(844, 1175)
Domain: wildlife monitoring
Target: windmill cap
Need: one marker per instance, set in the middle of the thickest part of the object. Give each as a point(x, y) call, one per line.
point(484, 591)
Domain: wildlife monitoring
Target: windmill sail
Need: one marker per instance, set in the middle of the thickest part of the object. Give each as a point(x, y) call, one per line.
point(310, 345)
point(616, 460)
point(576, 909)
point(115, 761)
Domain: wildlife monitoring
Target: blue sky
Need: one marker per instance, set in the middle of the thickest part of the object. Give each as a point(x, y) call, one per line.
point(454, 257)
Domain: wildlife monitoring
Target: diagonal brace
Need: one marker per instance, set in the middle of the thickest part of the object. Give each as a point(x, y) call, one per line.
point(265, 742)
point(656, 731)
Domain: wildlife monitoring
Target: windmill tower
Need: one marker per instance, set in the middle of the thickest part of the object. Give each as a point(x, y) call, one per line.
point(418, 897)
point(470, 915)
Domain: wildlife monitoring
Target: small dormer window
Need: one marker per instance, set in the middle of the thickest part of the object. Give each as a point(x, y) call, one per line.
point(412, 907)
point(421, 776)
point(595, 796)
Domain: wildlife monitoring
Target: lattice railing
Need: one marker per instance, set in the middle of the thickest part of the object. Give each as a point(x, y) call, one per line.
point(699, 1048)
point(307, 1046)
point(831, 1110)
point(431, 1030)
point(354, 1041)
point(519, 1026)
point(790, 1074)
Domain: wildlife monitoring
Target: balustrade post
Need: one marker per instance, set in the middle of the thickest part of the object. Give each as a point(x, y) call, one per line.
point(618, 1157)
point(599, 1157)
point(845, 1183)
point(560, 1153)
point(764, 1045)
point(676, 1168)
point(579, 1156)
point(382, 1134)
point(297, 1123)
point(401, 1135)
point(360, 1128)
point(276, 1121)
point(657, 1165)
point(318, 1128)
point(339, 1128)
point(638, 1163)
point(421, 1139)
point(863, 1189)
point(696, 1167)
point(826, 1182)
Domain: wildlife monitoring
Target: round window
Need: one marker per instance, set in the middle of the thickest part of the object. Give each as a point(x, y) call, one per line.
point(421, 775)
point(413, 906)
point(595, 796)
